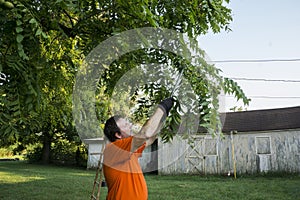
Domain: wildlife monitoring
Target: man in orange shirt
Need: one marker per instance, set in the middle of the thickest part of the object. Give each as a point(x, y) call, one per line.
point(122, 171)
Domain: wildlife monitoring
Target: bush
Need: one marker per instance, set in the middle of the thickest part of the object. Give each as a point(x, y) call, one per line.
point(6, 153)
point(12, 151)
point(34, 153)
point(63, 152)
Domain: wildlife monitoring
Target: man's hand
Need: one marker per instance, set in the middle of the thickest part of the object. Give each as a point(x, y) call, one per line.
point(167, 104)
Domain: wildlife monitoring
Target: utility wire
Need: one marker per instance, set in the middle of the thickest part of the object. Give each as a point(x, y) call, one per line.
point(273, 97)
point(267, 80)
point(254, 60)
point(268, 97)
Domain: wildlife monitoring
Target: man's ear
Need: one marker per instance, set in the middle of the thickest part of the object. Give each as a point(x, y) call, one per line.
point(118, 135)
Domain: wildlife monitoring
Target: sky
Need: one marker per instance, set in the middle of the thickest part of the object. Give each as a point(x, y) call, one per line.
point(262, 31)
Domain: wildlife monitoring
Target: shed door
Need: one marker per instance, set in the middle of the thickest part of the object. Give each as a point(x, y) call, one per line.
point(194, 157)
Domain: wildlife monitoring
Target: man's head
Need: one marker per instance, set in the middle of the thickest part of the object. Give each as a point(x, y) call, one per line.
point(116, 128)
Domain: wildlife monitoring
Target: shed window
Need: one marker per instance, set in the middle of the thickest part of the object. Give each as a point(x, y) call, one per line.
point(263, 145)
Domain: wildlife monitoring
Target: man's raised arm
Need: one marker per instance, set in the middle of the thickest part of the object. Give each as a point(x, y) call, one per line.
point(153, 125)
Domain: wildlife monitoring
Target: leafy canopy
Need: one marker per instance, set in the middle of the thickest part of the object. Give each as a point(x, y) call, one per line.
point(43, 44)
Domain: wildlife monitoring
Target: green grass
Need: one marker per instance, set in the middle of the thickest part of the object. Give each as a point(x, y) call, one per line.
point(246, 188)
point(19, 180)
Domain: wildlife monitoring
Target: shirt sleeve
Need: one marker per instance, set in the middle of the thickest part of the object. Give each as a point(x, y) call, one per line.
point(117, 155)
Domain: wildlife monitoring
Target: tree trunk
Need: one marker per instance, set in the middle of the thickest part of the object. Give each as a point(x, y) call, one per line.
point(46, 148)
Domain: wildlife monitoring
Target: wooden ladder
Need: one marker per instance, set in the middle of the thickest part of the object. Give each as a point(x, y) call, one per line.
point(98, 181)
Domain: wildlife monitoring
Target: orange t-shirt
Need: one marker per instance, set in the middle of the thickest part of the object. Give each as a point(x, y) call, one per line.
point(122, 171)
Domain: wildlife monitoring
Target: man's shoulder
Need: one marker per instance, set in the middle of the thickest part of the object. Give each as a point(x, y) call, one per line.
point(124, 143)
point(124, 140)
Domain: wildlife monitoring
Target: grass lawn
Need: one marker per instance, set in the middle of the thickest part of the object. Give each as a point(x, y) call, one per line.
point(19, 180)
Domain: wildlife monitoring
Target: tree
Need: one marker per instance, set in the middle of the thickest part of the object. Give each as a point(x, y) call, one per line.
point(38, 69)
point(43, 44)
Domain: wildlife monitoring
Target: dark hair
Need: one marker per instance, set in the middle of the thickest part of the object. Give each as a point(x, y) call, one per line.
point(111, 128)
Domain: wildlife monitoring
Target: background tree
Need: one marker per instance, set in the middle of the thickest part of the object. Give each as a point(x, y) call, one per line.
point(38, 70)
point(43, 43)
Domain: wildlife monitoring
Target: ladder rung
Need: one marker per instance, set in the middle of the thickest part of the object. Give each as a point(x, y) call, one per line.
point(97, 181)
point(96, 153)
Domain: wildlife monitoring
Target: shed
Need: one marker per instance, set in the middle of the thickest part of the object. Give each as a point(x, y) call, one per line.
point(264, 140)
point(94, 151)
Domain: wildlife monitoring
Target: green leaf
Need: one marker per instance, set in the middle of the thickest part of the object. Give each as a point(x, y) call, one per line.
point(13, 103)
point(20, 38)
point(7, 131)
point(44, 35)
point(19, 22)
point(38, 32)
point(19, 29)
point(18, 113)
point(28, 99)
point(8, 117)
point(23, 55)
point(20, 47)
point(32, 21)
point(30, 106)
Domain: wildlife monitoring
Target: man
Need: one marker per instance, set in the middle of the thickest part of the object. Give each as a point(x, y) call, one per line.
point(122, 171)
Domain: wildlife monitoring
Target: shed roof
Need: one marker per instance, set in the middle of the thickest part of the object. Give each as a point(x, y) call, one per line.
point(262, 120)
point(94, 140)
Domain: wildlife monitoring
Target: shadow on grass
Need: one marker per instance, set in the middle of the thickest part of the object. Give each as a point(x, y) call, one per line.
point(20, 180)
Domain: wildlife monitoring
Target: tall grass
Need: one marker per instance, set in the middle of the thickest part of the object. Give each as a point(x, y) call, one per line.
point(19, 180)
